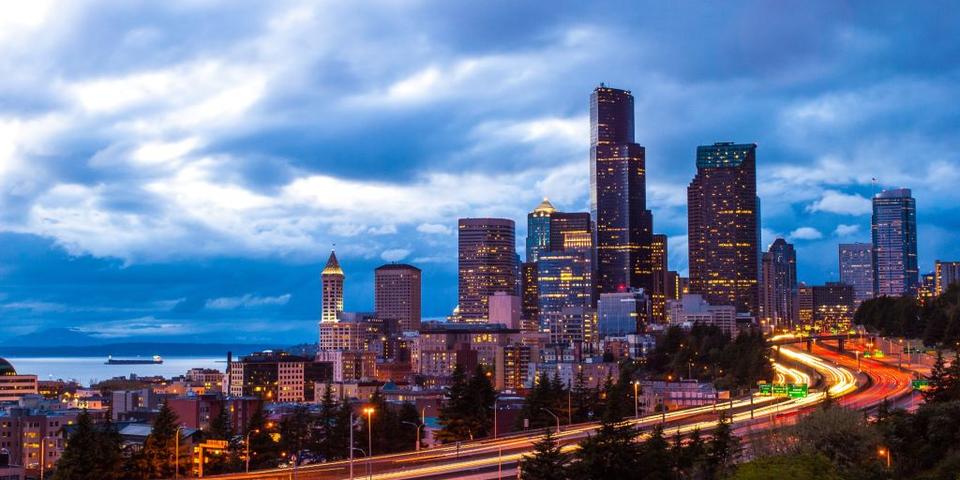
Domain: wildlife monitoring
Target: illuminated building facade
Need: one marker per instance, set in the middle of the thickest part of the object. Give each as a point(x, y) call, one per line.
point(397, 295)
point(565, 290)
point(945, 274)
point(664, 280)
point(622, 313)
point(833, 307)
point(624, 226)
point(894, 230)
point(277, 376)
point(529, 296)
point(856, 269)
point(331, 281)
point(724, 226)
point(805, 305)
point(538, 230)
point(440, 347)
point(13, 386)
point(778, 292)
point(487, 264)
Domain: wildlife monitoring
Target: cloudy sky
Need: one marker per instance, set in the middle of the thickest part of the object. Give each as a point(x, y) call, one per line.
point(180, 169)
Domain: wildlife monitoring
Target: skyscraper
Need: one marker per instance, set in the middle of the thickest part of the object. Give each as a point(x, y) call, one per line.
point(662, 278)
point(538, 230)
point(724, 226)
point(331, 285)
point(779, 285)
point(894, 231)
point(624, 226)
point(529, 296)
point(396, 295)
point(856, 270)
point(487, 264)
point(622, 313)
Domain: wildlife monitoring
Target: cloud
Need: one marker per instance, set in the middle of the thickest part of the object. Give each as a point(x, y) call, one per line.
point(805, 233)
point(841, 203)
point(844, 230)
point(434, 228)
point(395, 254)
point(246, 301)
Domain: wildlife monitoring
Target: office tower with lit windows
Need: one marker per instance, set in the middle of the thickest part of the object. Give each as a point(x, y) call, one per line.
point(894, 230)
point(778, 292)
point(724, 226)
point(538, 230)
point(396, 296)
point(331, 286)
point(565, 290)
point(856, 269)
point(529, 296)
point(944, 275)
point(624, 226)
point(622, 313)
point(487, 264)
point(664, 281)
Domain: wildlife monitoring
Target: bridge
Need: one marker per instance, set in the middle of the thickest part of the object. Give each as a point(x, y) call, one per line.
point(809, 340)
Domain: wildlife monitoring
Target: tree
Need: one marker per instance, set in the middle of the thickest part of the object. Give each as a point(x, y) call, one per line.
point(467, 412)
point(264, 451)
point(841, 435)
point(655, 456)
point(91, 453)
point(158, 456)
point(723, 451)
point(295, 432)
point(324, 438)
point(480, 398)
point(337, 444)
point(795, 467)
point(941, 383)
point(612, 453)
point(548, 462)
point(534, 405)
point(221, 428)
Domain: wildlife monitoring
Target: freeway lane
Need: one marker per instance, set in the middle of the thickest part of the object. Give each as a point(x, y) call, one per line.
point(487, 455)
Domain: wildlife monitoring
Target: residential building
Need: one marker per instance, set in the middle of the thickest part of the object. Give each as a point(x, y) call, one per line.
point(440, 347)
point(487, 264)
point(724, 226)
point(198, 411)
point(618, 198)
point(277, 376)
point(894, 229)
point(349, 365)
point(506, 309)
point(856, 269)
point(127, 403)
point(397, 295)
point(34, 437)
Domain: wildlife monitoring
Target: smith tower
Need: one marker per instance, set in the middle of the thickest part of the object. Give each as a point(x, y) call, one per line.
point(724, 226)
point(618, 198)
point(331, 281)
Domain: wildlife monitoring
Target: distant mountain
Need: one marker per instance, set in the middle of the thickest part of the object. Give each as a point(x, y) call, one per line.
point(133, 349)
point(53, 337)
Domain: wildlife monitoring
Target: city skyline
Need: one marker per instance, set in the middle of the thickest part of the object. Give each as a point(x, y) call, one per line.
point(126, 232)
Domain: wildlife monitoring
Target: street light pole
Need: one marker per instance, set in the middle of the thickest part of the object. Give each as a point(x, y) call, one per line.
point(369, 412)
point(417, 426)
point(351, 445)
point(636, 399)
point(495, 400)
point(176, 453)
point(555, 417)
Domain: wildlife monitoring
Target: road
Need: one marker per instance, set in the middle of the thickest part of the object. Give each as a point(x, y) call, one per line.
point(498, 458)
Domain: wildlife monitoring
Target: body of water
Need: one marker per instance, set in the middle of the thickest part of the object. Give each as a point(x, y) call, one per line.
point(87, 370)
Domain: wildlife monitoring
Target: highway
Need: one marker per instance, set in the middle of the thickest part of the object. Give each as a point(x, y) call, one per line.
point(485, 458)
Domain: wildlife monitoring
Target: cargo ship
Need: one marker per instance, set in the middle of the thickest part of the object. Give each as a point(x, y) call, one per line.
point(156, 360)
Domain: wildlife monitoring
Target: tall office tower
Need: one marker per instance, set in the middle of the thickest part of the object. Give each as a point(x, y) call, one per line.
point(661, 278)
point(396, 297)
point(778, 292)
point(529, 296)
point(562, 223)
point(944, 275)
point(832, 307)
point(618, 199)
point(331, 281)
point(894, 229)
point(565, 290)
point(856, 269)
point(538, 230)
point(487, 263)
point(805, 305)
point(724, 226)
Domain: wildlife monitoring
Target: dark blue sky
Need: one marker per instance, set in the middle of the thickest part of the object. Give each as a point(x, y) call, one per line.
point(179, 170)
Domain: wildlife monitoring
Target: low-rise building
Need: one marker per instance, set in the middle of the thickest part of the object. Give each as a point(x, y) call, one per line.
point(277, 376)
point(198, 411)
point(693, 309)
point(13, 386)
point(674, 395)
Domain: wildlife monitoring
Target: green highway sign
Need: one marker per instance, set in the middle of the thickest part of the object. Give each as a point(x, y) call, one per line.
point(766, 389)
point(921, 384)
point(799, 390)
point(792, 390)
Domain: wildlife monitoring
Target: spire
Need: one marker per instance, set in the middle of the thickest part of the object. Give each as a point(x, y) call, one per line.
point(545, 207)
point(333, 266)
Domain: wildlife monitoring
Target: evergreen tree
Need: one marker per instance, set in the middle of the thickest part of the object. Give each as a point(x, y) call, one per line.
point(534, 404)
point(481, 397)
point(91, 453)
point(454, 421)
point(407, 438)
point(222, 429)
point(583, 399)
point(612, 453)
point(939, 381)
point(295, 431)
point(723, 451)
point(323, 434)
point(336, 445)
point(655, 457)
point(548, 462)
point(158, 456)
point(264, 451)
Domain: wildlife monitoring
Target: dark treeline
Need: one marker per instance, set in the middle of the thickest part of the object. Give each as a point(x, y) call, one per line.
point(94, 450)
point(707, 354)
point(936, 323)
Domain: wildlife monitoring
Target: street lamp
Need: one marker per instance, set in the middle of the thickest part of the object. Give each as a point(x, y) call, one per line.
point(247, 443)
point(417, 426)
point(369, 412)
point(636, 399)
point(555, 417)
point(176, 454)
point(884, 452)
